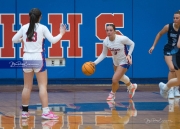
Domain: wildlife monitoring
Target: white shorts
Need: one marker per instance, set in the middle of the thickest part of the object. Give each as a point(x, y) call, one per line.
point(123, 62)
point(34, 62)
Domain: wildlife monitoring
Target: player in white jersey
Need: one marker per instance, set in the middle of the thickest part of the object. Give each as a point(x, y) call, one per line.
point(33, 35)
point(121, 56)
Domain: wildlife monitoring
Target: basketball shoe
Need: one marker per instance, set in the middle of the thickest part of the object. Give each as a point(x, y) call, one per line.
point(111, 96)
point(163, 92)
point(176, 91)
point(131, 89)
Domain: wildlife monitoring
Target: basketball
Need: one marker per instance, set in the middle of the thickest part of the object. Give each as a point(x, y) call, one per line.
point(88, 68)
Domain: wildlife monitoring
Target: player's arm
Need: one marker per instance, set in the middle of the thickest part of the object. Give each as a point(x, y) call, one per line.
point(158, 36)
point(102, 56)
point(178, 43)
point(17, 38)
point(129, 42)
point(55, 39)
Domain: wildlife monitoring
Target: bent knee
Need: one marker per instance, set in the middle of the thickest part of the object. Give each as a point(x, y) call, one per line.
point(115, 80)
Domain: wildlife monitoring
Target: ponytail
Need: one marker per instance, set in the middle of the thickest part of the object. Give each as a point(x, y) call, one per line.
point(34, 15)
point(30, 31)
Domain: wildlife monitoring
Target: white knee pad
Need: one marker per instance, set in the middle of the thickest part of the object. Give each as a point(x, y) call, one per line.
point(125, 79)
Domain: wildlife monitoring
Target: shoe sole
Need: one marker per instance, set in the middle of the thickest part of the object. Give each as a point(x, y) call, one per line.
point(177, 95)
point(171, 97)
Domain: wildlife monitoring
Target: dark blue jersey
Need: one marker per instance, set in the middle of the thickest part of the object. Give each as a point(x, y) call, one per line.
point(173, 36)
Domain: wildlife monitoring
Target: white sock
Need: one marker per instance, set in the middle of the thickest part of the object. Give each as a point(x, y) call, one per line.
point(25, 105)
point(130, 86)
point(112, 93)
point(45, 110)
point(166, 88)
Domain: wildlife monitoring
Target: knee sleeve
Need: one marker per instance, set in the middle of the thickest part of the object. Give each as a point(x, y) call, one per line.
point(125, 79)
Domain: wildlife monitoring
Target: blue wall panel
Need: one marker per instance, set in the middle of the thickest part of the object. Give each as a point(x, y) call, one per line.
point(149, 17)
point(142, 21)
point(7, 7)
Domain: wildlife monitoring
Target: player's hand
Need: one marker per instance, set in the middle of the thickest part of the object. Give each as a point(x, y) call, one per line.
point(62, 29)
point(92, 63)
point(151, 50)
point(128, 57)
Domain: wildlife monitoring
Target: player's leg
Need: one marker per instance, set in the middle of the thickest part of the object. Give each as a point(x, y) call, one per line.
point(174, 91)
point(41, 75)
point(26, 92)
point(168, 60)
point(28, 83)
point(120, 71)
point(131, 87)
point(171, 74)
point(174, 81)
point(164, 88)
point(125, 79)
point(42, 84)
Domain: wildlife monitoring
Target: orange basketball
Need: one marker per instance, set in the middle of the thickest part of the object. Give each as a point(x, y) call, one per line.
point(88, 68)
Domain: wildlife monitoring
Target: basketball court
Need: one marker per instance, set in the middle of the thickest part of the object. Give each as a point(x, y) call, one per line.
point(85, 107)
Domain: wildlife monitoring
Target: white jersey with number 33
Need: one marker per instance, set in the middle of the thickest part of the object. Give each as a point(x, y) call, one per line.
point(37, 44)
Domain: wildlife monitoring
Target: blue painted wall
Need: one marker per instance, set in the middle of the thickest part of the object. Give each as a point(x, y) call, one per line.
point(142, 21)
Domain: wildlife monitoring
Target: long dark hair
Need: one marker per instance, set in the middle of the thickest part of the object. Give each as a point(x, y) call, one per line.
point(34, 16)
